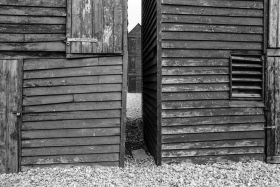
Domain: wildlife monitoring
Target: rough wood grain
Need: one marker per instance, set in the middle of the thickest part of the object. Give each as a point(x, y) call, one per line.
point(13, 38)
point(29, 101)
point(194, 96)
point(194, 62)
point(42, 46)
point(31, 11)
point(194, 79)
point(43, 3)
point(32, 20)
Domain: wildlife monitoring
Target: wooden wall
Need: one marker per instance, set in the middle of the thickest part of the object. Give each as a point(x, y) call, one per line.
point(150, 77)
point(31, 29)
point(199, 121)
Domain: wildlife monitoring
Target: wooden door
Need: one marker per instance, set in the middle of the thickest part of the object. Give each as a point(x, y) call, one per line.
point(10, 112)
point(94, 26)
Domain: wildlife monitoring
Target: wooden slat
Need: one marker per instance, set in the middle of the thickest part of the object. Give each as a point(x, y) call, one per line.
point(235, 72)
point(93, 165)
point(70, 150)
point(211, 45)
point(216, 144)
point(215, 159)
point(12, 38)
point(29, 101)
point(212, 120)
point(194, 62)
point(117, 96)
point(32, 20)
point(211, 104)
point(72, 81)
point(70, 133)
point(74, 72)
point(247, 87)
point(70, 159)
point(194, 79)
point(190, 10)
point(212, 28)
point(247, 65)
point(194, 70)
point(217, 3)
point(41, 46)
point(32, 29)
point(72, 115)
point(212, 128)
point(220, 151)
point(62, 90)
point(195, 87)
point(214, 20)
point(43, 3)
point(80, 141)
point(273, 24)
point(30, 11)
point(30, 55)
point(212, 137)
point(245, 95)
point(71, 124)
point(194, 96)
point(246, 80)
point(212, 36)
point(249, 59)
point(212, 112)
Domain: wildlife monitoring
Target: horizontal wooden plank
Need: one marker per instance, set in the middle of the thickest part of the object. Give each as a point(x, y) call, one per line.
point(219, 151)
point(70, 133)
point(73, 72)
point(194, 70)
point(249, 59)
point(30, 55)
point(247, 95)
point(41, 46)
point(29, 101)
point(70, 150)
point(209, 11)
point(211, 45)
point(212, 137)
point(256, 72)
point(31, 11)
point(37, 64)
point(192, 79)
point(212, 120)
point(212, 112)
point(247, 65)
point(93, 165)
point(71, 124)
point(247, 87)
point(42, 3)
point(72, 115)
point(211, 104)
point(217, 3)
point(34, 29)
point(70, 81)
point(32, 20)
point(194, 96)
point(60, 142)
point(103, 61)
point(215, 144)
point(214, 20)
point(212, 128)
point(62, 90)
point(195, 87)
point(203, 53)
point(70, 159)
point(214, 159)
point(64, 107)
point(31, 37)
point(212, 37)
point(194, 62)
point(246, 80)
point(115, 96)
point(212, 28)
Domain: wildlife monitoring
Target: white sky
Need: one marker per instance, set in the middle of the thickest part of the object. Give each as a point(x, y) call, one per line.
point(134, 13)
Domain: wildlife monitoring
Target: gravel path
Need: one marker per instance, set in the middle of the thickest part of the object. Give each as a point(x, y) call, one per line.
point(145, 173)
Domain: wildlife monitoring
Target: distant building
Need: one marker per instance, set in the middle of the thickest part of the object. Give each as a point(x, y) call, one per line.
point(134, 60)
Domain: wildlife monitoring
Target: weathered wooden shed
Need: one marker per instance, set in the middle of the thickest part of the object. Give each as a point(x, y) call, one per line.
point(63, 76)
point(204, 71)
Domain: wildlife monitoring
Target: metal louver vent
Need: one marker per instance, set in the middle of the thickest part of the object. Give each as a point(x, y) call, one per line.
point(246, 77)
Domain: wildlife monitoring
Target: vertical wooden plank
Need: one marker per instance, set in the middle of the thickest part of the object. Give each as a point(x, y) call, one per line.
point(118, 20)
point(76, 25)
point(270, 105)
point(98, 25)
point(9, 100)
point(69, 24)
point(86, 30)
point(108, 27)
point(277, 106)
point(273, 20)
point(278, 25)
point(124, 86)
point(159, 83)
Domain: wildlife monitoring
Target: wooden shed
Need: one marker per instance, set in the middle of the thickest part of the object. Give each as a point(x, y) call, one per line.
point(203, 79)
point(63, 76)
